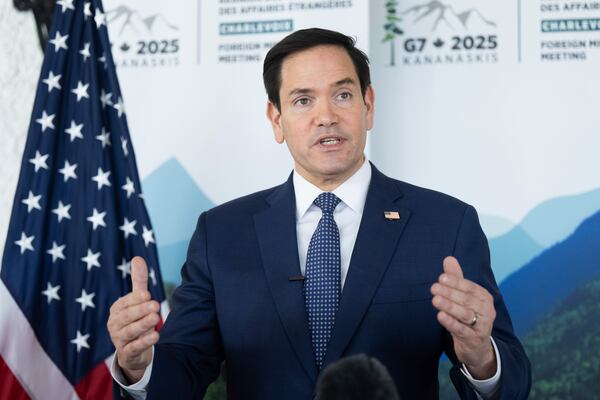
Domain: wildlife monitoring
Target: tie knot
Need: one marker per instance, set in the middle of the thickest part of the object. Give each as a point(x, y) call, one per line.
point(327, 202)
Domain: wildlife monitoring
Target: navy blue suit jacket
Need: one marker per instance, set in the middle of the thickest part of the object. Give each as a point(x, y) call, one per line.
point(237, 304)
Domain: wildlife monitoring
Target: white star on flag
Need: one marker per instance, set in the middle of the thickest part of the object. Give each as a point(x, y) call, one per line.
point(99, 18)
point(128, 187)
point(32, 202)
point(59, 42)
point(68, 171)
point(148, 235)
point(25, 243)
point(81, 341)
point(57, 251)
point(128, 227)
point(152, 276)
point(85, 300)
point(97, 219)
point(85, 51)
point(120, 107)
point(76, 184)
point(104, 138)
point(125, 268)
point(105, 98)
point(86, 10)
point(66, 5)
point(91, 259)
point(81, 91)
point(74, 131)
point(39, 161)
point(62, 211)
point(46, 121)
point(52, 81)
point(101, 178)
point(103, 60)
point(124, 146)
point(51, 292)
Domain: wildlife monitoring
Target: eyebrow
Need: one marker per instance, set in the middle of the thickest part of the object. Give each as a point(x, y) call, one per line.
point(341, 82)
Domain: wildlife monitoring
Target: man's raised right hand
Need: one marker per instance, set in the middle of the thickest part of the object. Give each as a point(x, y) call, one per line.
point(131, 324)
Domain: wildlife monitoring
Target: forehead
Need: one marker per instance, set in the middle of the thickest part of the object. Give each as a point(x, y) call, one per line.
point(317, 66)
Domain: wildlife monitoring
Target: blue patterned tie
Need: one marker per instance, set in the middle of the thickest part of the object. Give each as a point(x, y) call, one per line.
point(322, 280)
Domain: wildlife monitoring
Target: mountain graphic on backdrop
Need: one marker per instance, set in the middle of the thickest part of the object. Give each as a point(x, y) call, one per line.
point(534, 290)
point(511, 251)
point(495, 225)
point(564, 347)
point(174, 202)
point(545, 225)
point(435, 14)
point(127, 19)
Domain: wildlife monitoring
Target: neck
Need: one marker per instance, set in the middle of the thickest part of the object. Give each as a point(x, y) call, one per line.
point(328, 183)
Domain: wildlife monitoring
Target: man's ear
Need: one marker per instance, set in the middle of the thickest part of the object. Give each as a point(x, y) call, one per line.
point(370, 105)
point(274, 117)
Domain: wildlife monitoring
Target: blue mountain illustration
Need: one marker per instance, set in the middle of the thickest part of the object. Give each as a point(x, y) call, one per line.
point(172, 257)
point(545, 225)
point(534, 290)
point(554, 219)
point(494, 225)
point(511, 251)
point(174, 203)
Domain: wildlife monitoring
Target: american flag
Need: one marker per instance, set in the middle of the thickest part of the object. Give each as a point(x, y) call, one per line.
point(78, 216)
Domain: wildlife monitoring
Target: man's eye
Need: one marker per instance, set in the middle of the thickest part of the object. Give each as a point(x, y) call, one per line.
point(345, 96)
point(303, 101)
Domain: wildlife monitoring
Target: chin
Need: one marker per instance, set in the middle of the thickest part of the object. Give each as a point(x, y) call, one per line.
point(337, 169)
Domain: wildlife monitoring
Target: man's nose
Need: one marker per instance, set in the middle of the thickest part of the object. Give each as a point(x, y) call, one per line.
point(326, 115)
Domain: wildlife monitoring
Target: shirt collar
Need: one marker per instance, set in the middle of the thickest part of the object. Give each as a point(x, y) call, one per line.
point(352, 192)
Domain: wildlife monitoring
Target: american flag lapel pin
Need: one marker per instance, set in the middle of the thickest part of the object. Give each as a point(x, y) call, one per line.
point(391, 215)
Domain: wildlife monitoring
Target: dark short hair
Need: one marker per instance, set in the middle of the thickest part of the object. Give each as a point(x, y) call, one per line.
point(356, 377)
point(305, 39)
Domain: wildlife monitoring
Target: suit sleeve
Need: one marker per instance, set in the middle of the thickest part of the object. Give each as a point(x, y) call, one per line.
point(472, 252)
point(189, 353)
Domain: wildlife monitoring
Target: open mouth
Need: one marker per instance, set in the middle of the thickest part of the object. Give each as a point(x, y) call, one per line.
point(330, 141)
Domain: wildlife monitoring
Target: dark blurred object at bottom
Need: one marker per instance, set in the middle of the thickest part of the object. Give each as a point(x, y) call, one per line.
point(356, 378)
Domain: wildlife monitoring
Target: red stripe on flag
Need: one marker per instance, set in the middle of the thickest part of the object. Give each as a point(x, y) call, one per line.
point(10, 388)
point(96, 385)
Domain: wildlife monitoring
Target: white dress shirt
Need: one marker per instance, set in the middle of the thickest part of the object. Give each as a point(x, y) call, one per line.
point(347, 216)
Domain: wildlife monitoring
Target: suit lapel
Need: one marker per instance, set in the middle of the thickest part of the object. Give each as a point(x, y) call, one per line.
point(375, 244)
point(276, 233)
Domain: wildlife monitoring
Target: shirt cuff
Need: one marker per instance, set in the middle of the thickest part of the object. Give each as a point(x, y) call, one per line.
point(486, 388)
point(137, 390)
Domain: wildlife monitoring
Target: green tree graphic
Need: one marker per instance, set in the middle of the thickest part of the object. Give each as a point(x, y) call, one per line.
point(391, 28)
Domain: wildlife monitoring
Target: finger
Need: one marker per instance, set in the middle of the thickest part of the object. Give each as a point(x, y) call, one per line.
point(139, 274)
point(456, 328)
point(452, 267)
point(130, 299)
point(464, 299)
point(129, 315)
point(460, 313)
point(138, 328)
point(464, 285)
point(138, 346)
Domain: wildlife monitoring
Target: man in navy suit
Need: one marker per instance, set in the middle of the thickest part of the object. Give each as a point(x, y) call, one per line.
point(411, 274)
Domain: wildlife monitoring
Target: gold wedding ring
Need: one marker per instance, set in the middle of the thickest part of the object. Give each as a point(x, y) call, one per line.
point(474, 320)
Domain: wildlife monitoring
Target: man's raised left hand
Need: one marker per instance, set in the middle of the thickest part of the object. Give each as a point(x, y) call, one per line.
point(467, 311)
